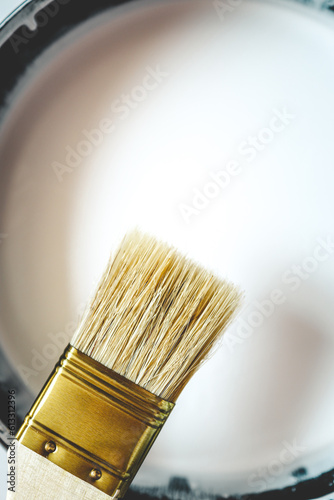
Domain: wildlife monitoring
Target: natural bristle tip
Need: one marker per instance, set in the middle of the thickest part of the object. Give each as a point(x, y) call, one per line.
point(155, 316)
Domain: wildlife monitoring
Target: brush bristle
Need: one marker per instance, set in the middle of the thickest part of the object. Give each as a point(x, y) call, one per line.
point(155, 316)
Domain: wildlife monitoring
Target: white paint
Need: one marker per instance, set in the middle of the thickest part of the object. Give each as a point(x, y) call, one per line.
point(6, 7)
point(226, 79)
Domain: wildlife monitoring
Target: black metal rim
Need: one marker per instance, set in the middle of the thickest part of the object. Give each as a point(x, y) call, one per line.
point(70, 14)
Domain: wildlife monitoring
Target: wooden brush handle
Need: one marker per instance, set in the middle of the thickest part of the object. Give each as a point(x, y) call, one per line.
point(40, 479)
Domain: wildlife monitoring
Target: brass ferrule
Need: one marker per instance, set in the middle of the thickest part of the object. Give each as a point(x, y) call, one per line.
point(94, 423)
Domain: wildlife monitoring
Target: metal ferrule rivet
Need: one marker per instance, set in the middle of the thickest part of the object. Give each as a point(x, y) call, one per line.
point(53, 427)
point(50, 447)
point(95, 474)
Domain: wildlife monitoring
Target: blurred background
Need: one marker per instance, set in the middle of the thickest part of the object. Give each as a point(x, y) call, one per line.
point(210, 127)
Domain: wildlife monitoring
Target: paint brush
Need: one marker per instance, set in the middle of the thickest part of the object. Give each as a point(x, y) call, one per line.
point(153, 320)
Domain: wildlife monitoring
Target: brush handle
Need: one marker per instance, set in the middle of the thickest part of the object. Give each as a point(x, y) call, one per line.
point(39, 479)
